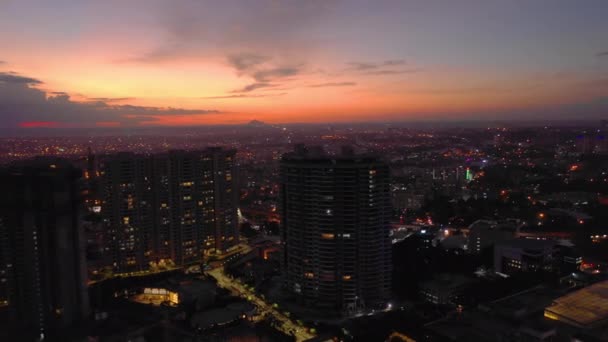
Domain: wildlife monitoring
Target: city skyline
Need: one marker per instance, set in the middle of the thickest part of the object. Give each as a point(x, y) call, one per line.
point(342, 232)
point(114, 64)
point(303, 170)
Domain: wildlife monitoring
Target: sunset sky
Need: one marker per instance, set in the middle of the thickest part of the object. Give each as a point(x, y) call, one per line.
point(85, 63)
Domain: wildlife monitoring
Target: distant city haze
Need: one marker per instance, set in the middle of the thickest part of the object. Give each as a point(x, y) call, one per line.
point(83, 64)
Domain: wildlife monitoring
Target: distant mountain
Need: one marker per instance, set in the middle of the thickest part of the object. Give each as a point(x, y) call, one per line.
point(257, 123)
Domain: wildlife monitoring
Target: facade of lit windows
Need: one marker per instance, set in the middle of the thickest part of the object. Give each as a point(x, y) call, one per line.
point(524, 255)
point(335, 227)
point(174, 206)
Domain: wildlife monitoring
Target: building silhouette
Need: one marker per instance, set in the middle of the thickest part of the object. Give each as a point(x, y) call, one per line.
point(127, 210)
point(174, 206)
point(42, 262)
point(335, 228)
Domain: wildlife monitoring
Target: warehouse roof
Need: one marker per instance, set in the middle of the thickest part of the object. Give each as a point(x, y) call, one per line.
point(585, 308)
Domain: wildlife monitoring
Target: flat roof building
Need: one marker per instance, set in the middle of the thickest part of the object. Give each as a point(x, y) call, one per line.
point(444, 288)
point(585, 308)
point(523, 255)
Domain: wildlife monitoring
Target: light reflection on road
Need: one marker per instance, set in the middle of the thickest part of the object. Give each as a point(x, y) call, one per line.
point(286, 325)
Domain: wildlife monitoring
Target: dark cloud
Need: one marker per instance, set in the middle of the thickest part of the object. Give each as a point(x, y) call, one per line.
point(254, 86)
point(246, 61)
point(333, 84)
point(21, 101)
point(392, 72)
point(242, 96)
point(3, 62)
point(198, 28)
point(267, 75)
point(111, 99)
point(602, 54)
point(388, 67)
point(362, 66)
point(14, 78)
point(262, 70)
point(394, 62)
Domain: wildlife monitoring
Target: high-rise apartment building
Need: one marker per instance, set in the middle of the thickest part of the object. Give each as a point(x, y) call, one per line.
point(127, 211)
point(174, 206)
point(42, 262)
point(335, 228)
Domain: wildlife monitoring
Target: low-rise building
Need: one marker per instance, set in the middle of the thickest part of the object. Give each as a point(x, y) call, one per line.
point(524, 255)
point(586, 308)
point(486, 233)
point(444, 288)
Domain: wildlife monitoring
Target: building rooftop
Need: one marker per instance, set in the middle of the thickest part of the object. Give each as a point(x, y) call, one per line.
point(584, 308)
point(317, 154)
point(447, 282)
point(525, 243)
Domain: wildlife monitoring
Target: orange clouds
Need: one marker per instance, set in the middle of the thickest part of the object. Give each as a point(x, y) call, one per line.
point(38, 124)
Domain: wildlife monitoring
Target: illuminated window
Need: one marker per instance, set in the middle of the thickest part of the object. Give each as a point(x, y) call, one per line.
point(346, 277)
point(327, 236)
point(309, 275)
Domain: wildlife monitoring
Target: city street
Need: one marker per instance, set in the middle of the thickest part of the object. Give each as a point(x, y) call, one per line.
point(286, 325)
